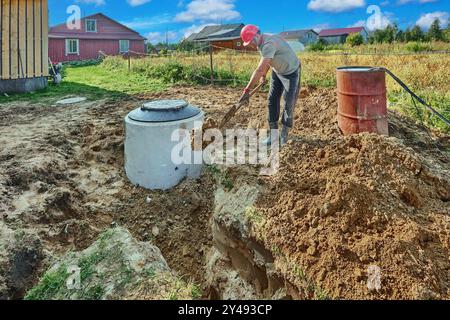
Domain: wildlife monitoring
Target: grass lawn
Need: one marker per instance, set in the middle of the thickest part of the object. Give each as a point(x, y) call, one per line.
point(93, 82)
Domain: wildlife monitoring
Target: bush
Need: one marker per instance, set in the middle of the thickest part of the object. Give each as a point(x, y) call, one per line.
point(84, 63)
point(318, 46)
point(355, 39)
point(418, 47)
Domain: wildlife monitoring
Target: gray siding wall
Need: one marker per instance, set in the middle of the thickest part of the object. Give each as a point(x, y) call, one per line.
point(309, 38)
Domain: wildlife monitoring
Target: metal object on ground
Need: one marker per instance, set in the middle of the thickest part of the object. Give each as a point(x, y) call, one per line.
point(152, 140)
point(362, 99)
point(71, 100)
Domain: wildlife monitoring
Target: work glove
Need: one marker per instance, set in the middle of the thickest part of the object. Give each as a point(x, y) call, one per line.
point(245, 98)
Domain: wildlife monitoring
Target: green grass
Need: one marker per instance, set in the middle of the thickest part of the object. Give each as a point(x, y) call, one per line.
point(311, 288)
point(221, 176)
point(94, 82)
point(196, 292)
point(49, 285)
point(94, 293)
point(401, 101)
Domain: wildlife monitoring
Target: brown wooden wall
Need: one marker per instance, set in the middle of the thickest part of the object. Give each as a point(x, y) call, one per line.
point(24, 39)
point(236, 44)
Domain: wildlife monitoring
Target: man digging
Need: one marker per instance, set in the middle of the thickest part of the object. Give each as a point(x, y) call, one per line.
point(286, 79)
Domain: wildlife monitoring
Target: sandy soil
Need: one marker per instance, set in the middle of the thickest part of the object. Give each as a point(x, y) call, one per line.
point(62, 179)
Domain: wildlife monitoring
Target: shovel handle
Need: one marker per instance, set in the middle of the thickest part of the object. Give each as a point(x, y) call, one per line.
point(232, 112)
point(254, 91)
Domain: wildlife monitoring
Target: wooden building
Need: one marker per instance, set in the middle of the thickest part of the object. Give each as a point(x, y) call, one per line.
point(98, 33)
point(227, 36)
point(306, 37)
point(24, 45)
point(336, 36)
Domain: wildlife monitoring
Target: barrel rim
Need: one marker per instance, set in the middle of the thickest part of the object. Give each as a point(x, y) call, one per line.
point(351, 68)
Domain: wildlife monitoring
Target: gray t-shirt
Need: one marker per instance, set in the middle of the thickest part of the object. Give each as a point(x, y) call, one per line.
point(284, 59)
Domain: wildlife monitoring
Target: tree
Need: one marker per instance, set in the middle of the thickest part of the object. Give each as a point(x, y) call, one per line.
point(408, 35)
point(417, 34)
point(150, 47)
point(389, 34)
point(447, 32)
point(379, 36)
point(355, 39)
point(400, 36)
point(435, 32)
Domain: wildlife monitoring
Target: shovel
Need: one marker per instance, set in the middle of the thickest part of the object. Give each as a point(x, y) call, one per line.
point(234, 109)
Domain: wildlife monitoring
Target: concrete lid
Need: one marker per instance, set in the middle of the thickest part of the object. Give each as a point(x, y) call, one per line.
point(71, 100)
point(164, 111)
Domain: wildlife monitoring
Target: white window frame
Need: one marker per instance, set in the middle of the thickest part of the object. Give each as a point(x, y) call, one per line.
point(239, 44)
point(120, 46)
point(68, 47)
point(89, 20)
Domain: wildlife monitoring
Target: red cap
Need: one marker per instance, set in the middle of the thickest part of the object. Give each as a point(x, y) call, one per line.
point(248, 33)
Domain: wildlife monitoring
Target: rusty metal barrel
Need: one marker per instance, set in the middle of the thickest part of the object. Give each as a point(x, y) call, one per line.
point(362, 100)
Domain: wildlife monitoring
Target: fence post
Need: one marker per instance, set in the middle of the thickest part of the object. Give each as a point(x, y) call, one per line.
point(211, 62)
point(129, 62)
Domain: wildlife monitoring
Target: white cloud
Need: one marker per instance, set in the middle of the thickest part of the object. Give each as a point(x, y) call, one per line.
point(147, 22)
point(209, 10)
point(135, 3)
point(161, 37)
point(96, 2)
point(378, 20)
point(401, 2)
point(360, 23)
point(335, 5)
point(427, 19)
point(320, 27)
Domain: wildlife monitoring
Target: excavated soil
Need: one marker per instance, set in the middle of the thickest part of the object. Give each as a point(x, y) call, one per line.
point(337, 205)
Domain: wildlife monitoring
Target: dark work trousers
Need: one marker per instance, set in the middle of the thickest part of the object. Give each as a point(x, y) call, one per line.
point(291, 90)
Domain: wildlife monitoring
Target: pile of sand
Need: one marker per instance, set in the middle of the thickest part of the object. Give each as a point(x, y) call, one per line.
point(338, 207)
point(341, 206)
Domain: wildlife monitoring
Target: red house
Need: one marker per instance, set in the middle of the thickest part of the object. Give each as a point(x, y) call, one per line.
point(97, 33)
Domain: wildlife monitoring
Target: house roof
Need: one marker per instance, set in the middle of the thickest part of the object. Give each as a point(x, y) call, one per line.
point(121, 32)
point(340, 32)
point(226, 31)
point(191, 37)
point(295, 34)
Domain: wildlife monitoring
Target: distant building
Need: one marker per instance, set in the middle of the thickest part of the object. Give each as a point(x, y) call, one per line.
point(306, 37)
point(336, 36)
point(227, 36)
point(97, 33)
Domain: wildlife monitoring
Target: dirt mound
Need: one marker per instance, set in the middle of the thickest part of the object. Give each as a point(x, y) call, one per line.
point(340, 205)
point(21, 258)
point(354, 217)
point(337, 207)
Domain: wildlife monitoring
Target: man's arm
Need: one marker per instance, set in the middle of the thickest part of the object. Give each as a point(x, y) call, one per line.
point(259, 73)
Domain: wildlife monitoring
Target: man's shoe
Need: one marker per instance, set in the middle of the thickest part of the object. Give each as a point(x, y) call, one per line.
point(284, 135)
point(273, 136)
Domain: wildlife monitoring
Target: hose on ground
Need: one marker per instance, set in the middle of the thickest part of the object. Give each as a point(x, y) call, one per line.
point(413, 95)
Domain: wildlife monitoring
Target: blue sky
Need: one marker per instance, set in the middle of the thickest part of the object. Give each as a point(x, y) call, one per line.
point(178, 18)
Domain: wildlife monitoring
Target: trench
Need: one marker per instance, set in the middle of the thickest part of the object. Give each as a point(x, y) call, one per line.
point(238, 266)
point(243, 269)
